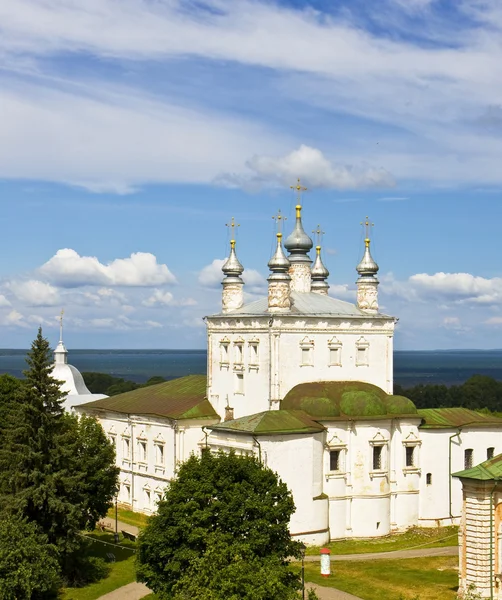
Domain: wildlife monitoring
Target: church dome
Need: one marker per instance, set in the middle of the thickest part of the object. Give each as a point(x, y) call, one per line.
point(345, 399)
point(298, 242)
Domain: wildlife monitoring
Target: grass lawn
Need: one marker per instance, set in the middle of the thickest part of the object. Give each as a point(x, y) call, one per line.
point(121, 573)
point(434, 578)
point(129, 517)
point(426, 537)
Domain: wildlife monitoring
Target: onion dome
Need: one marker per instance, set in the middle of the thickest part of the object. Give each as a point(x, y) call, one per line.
point(279, 263)
point(298, 243)
point(367, 266)
point(232, 266)
point(319, 274)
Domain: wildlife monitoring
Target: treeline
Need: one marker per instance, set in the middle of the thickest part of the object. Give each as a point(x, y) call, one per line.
point(478, 392)
point(102, 383)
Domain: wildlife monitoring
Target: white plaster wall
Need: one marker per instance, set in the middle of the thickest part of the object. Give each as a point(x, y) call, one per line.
point(434, 502)
point(280, 365)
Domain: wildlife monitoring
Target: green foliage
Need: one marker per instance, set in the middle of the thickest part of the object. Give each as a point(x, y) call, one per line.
point(221, 533)
point(56, 470)
point(101, 383)
point(470, 593)
point(478, 392)
point(28, 564)
point(311, 594)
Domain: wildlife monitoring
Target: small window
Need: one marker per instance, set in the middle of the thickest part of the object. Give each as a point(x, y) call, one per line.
point(410, 456)
point(468, 458)
point(127, 447)
point(239, 383)
point(127, 489)
point(113, 440)
point(148, 497)
point(158, 497)
point(224, 353)
point(334, 460)
point(159, 454)
point(238, 354)
point(142, 450)
point(362, 352)
point(306, 356)
point(334, 357)
point(428, 479)
point(489, 453)
point(377, 458)
point(253, 353)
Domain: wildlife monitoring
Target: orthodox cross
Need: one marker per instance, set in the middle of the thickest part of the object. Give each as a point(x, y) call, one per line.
point(232, 225)
point(299, 189)
point(319, 233)
point(60, 319)
point(367, 228)
point(279, 219)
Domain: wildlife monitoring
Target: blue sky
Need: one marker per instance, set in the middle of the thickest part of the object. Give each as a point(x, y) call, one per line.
point(131, 131)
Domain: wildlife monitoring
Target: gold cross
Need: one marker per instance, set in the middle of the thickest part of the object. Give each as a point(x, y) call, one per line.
point(367, 228)
point(319, 233)
point(61, 325)
point(279, 219)
point(233, 225)
point(299, 189)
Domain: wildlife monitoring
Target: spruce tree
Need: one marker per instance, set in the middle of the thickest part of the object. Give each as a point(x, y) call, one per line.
point(56, 470)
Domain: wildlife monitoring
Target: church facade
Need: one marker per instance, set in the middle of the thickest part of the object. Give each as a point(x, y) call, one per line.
point(305, 382)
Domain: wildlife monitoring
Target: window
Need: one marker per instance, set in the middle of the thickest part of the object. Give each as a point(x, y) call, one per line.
point(410, 456)
point(239, 383)
point(362, 347)
point(335, 352)
point(307, 349)
point(334, 460)
point(113, 440)
point(238, 354)
point(148, 497)
point(224, 352)
point(127, 490)
point(142, 454)
point(253, 353)
point(377, 458)
point(489, 453)
point(428, 479)
point(159, 454)
point(158, 497)
point(126, 447)
point(468, 458)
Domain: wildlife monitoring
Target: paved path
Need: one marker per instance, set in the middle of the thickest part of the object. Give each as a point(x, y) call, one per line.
point(109, 523)
point(416, 553)
point(326, 593)
point(132, 591)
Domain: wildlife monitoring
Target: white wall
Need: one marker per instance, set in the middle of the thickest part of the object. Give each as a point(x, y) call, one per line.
point(435, 498)
point(280, 365)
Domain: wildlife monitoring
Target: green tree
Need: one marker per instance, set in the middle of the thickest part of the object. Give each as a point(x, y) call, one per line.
point(28, 564)
point(221, 533)
point(56, 470)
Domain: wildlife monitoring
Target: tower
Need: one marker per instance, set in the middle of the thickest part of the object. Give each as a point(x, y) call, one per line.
point(233, 293)
point(61, 353)
point(367, 284)
point(298, 244)
point(279, 280)
point(319, 273)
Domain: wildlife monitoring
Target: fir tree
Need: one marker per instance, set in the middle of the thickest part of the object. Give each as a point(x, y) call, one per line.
point(55, 470)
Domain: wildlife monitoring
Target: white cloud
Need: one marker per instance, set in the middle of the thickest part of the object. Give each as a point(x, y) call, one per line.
point(68, 269)
point(3, 301)
point(494, 321)
point(211, 275)
point(462, 287)
point(14, 318)
point(343, 292)
point(163, 298)
point(254, 281)
point(34, 293)
point(312, 167)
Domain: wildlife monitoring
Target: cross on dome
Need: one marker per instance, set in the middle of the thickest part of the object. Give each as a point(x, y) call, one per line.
point(232, 225)
point(279, 220)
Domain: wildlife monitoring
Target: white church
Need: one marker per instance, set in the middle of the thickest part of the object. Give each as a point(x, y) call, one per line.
point(303, 381)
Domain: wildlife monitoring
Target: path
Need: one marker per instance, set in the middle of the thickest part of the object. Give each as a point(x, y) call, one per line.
point(417, 553)
point(109, 523)
point(131, 591)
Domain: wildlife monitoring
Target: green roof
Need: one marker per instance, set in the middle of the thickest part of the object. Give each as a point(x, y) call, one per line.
point(272, 422)
point(486, 471)
point(446, 418)
point(346, 399)
point(183, 398)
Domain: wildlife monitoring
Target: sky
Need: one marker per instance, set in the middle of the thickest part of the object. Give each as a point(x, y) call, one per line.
point(132, 131)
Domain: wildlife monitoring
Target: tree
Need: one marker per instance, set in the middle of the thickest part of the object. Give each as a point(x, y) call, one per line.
point(28, 564)
point(221, 533)
point(56, 470)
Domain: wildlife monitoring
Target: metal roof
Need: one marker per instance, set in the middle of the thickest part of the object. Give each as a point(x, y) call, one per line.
point(486, 471)
point(306, 304)
point(272, 422)
point(183, 398)
point(441, 418)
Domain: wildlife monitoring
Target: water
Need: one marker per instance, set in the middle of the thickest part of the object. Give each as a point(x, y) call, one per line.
point(410, 367)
